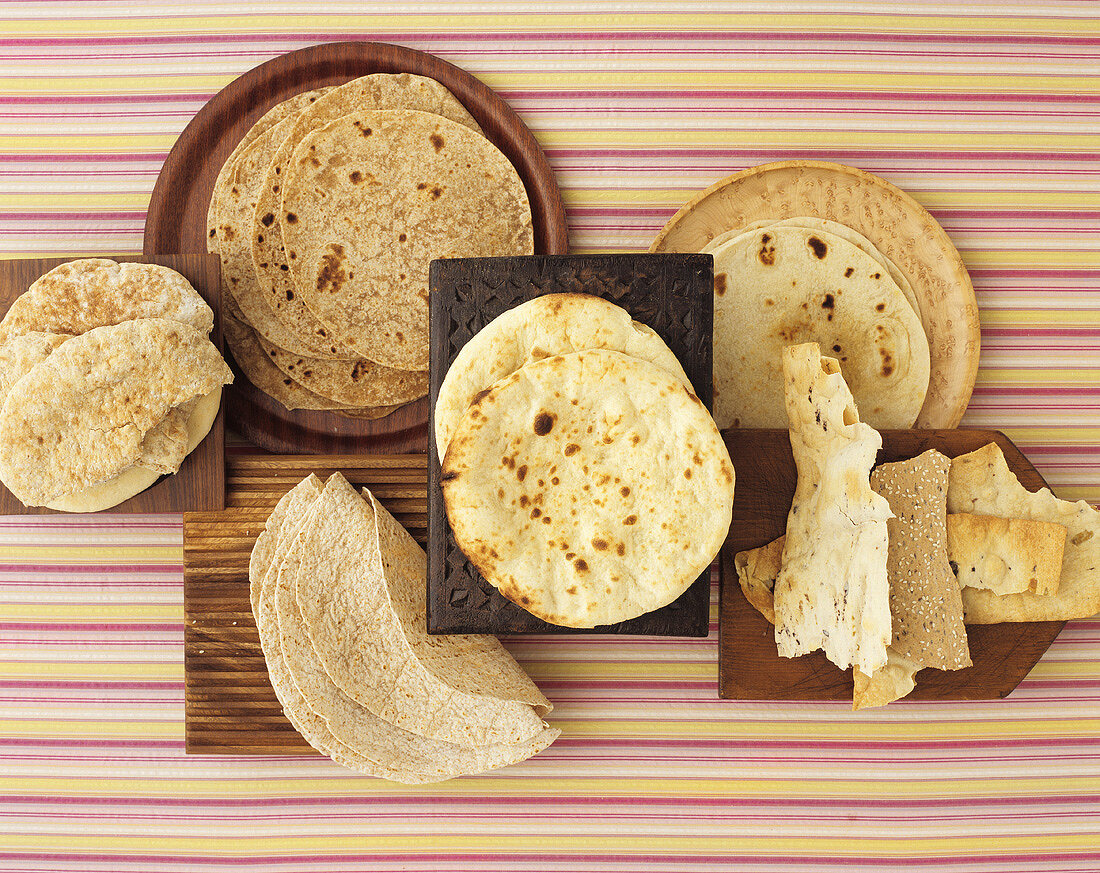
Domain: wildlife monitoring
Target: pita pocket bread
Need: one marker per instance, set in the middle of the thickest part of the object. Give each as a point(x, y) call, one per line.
point(982, 483)
point(589, 488)
point(78, 296)
point(361, 586)
point(370, 199)
point(832, 592)
point(81, 416)
point(553, 324)
point(792, 286)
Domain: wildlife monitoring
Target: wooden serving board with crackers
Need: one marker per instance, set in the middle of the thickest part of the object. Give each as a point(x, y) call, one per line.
point(777, 385)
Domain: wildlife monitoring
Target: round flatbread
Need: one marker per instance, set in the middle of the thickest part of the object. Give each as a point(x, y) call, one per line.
point(833, 228)
point(235, 205)
point(376, 91)
point(355, 383)
point(589, 488)
point(266, 121)
point(77, 296)
point(371, 199)
point(80, 417)
point(787, 285)
point(553, 324)
point(257, 367)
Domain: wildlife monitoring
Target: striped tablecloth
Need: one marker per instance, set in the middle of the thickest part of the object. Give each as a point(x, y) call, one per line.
point(988, 114)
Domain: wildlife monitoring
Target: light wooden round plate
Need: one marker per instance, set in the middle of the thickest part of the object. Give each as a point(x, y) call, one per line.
point(900, 227)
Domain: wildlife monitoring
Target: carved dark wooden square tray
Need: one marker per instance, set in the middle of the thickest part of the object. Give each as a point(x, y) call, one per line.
point(673, 294)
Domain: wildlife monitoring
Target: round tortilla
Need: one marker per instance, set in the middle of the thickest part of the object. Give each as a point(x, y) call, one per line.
point(376, 91)
point(589, 488)
point(370, 199)
point(261, 372)
point(235, 206)
point(77, 296)
point(553, 324)
point(787, 285)
point(355, 383)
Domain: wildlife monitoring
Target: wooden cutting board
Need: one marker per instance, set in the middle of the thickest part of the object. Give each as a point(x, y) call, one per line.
point(749, 667)
point(230, 706)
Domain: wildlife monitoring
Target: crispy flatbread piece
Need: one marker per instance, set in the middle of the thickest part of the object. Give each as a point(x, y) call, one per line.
point(925, 602)
point(1006, 555)
point(832, 592)
point(983, 484)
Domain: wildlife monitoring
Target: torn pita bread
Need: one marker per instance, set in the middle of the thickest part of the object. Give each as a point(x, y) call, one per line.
point(832, 592)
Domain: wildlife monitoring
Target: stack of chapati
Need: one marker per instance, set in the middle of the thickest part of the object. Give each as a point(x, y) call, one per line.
point(874, 570)
point(326, 217)
point(810, 279)
point(582, 476)
point(107, 381)
point(338, 590)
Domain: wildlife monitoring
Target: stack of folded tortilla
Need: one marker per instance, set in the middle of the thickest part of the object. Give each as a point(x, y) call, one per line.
point(874, 570)
point(326, 217)
point(107, 381)
point(338, 590)
point(811, 279)
point(581, 475)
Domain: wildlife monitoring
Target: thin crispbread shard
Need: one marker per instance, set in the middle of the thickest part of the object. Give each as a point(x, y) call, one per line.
point(375, 91)
point(982, 483)
point(925, 601)
point(757, 570)
point(370, 199)
point(78, 296)
point(357, 382)
point(81, 416)
point(397, 754)
point(889, 683)
point(357, 577)
point(832, 592)
point(1006, 555)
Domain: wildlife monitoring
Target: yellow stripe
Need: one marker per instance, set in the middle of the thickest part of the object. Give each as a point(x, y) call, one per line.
point(822, 21)
point(58, 553)
point(74, 669)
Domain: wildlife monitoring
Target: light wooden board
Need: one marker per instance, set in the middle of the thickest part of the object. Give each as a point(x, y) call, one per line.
point(230, 705)
point(900, 228)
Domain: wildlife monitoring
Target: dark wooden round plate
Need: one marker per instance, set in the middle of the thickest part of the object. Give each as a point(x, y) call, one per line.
point(176, 221)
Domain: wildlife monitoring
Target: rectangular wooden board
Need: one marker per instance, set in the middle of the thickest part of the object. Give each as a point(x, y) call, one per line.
point(673, 294)
point(200, 482)
point(749, 666)
point(230, 706)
